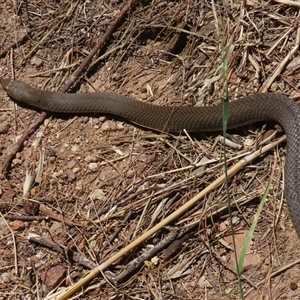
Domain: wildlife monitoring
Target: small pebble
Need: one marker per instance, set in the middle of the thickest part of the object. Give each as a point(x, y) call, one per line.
point(91, 158)
point(17, 161)
point(93, 166)
point(130, 173)
point(109, 125)
point(75, 148)
point(71, 164)
point(57, 174)
point(144, 90)
point(98, 194)
point(293, 285)
point(143, 96)
point(33, 192)
point(76, 170)
point(116, 77)
point(54, 276)
point(36, 61)
point(79, 185)
point(17, 225)
point(4, 127)
point(71, 176)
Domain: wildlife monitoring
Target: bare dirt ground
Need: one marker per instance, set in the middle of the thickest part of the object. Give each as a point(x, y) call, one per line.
point(104, 181)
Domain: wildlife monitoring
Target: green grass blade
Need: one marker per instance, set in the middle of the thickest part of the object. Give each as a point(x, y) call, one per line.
point(251, 231)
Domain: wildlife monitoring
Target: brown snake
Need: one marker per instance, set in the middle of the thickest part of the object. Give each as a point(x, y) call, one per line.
point(250, 109)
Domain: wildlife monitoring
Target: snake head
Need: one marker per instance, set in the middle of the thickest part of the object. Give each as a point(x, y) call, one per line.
point(16, 89)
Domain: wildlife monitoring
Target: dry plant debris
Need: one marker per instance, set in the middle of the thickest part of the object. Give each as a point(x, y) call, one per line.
point(104, 182)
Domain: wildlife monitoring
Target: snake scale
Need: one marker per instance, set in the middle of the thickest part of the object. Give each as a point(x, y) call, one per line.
point(250, 109)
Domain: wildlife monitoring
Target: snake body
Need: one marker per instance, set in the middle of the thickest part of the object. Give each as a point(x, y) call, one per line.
point(247, 110)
